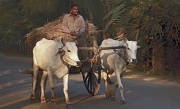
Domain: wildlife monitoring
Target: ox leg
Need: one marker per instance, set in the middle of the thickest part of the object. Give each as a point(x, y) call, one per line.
point(116, 85)
point(105, 76)
point(111, 90)
point(43, 78)
point(35, 73)
point(120, 87)
point(65, 84)
point(50, 77)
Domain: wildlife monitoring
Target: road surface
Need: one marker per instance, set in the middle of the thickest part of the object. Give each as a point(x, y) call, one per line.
point(140, 92)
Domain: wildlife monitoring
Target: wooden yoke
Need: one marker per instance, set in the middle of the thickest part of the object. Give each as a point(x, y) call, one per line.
point(97, 51)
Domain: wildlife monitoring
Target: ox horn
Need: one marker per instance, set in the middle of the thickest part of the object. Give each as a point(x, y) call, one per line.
point(137, 41)
point(63, 42)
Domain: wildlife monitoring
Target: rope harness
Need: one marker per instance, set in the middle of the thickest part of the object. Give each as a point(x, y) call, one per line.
point(64, 62)
point(124, 56)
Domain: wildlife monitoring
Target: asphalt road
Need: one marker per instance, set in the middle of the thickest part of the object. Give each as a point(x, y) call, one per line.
point(139, 92)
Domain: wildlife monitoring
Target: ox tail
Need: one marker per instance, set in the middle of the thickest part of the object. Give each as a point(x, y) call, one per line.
point(28, 71)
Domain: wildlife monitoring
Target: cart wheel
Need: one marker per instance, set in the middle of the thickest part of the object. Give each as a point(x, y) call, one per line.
point(92, 79)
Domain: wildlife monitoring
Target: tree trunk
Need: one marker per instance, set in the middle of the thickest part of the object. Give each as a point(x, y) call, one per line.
point(158, 58)
point(91, 17)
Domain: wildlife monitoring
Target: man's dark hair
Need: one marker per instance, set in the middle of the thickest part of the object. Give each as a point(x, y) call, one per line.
point(74, 5)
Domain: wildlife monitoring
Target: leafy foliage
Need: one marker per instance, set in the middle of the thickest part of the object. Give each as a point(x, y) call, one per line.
point(151, 17)
point(45, 6)
point(17, 19)
point(156, 21)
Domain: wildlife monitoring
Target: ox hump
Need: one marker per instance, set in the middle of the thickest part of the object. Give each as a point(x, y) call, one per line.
point(110, 43)
point(44, 43)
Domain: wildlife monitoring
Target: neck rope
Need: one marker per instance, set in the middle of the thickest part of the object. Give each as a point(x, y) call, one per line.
point(125, 57)
point(65, 61)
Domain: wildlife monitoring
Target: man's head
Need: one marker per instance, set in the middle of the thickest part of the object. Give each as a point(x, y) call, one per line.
point(74, 9)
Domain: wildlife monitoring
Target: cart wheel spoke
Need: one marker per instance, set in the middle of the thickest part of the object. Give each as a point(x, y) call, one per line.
point(94, 77)
point(88, 82)
point(83, 75)
point(92, 80)
point(87, 76)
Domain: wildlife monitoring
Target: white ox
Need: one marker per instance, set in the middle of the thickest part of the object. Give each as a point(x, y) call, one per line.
point(52, 57)
point(116, 61)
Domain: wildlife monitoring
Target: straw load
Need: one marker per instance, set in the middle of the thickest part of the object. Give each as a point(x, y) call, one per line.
point(53, 31)
point(121, 34)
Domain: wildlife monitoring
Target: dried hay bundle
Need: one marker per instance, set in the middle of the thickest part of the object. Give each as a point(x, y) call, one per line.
point(121, 34)
point(91, 30)
point(53, 30)
point(92, 34)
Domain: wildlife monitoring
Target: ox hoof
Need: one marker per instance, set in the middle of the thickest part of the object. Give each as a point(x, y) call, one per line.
point(107, 96)
point(123, 102)
point(121, 88)
point(113, 98)
point(53, 101)
point(43, 100)
point(69, 105)
point(32, 98)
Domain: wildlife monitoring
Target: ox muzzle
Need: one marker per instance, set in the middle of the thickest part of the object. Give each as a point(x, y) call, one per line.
point(134, 61)
point(78, 64)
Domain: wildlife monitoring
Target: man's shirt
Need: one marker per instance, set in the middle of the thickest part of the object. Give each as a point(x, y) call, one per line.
point(70, 24)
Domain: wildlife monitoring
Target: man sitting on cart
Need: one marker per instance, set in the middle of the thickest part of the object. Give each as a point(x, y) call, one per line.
point(73, 26)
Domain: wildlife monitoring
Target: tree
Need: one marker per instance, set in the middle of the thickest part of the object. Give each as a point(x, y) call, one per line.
point(139, 18)
point(17, 19)
point(9, 28)
point(46, 6)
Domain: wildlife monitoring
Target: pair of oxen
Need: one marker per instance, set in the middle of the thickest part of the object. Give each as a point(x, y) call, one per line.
point(50, 56)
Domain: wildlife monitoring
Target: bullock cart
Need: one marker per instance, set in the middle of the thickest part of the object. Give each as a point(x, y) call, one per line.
point(90, 70)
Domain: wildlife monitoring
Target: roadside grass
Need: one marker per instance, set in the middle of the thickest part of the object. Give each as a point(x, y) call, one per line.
point(14, 54)
point(132, 70)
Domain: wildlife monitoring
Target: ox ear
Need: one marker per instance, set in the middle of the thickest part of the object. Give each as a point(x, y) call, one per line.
point(116, 51)
point(126, 41)
point(60, 51)
point(138, 45)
